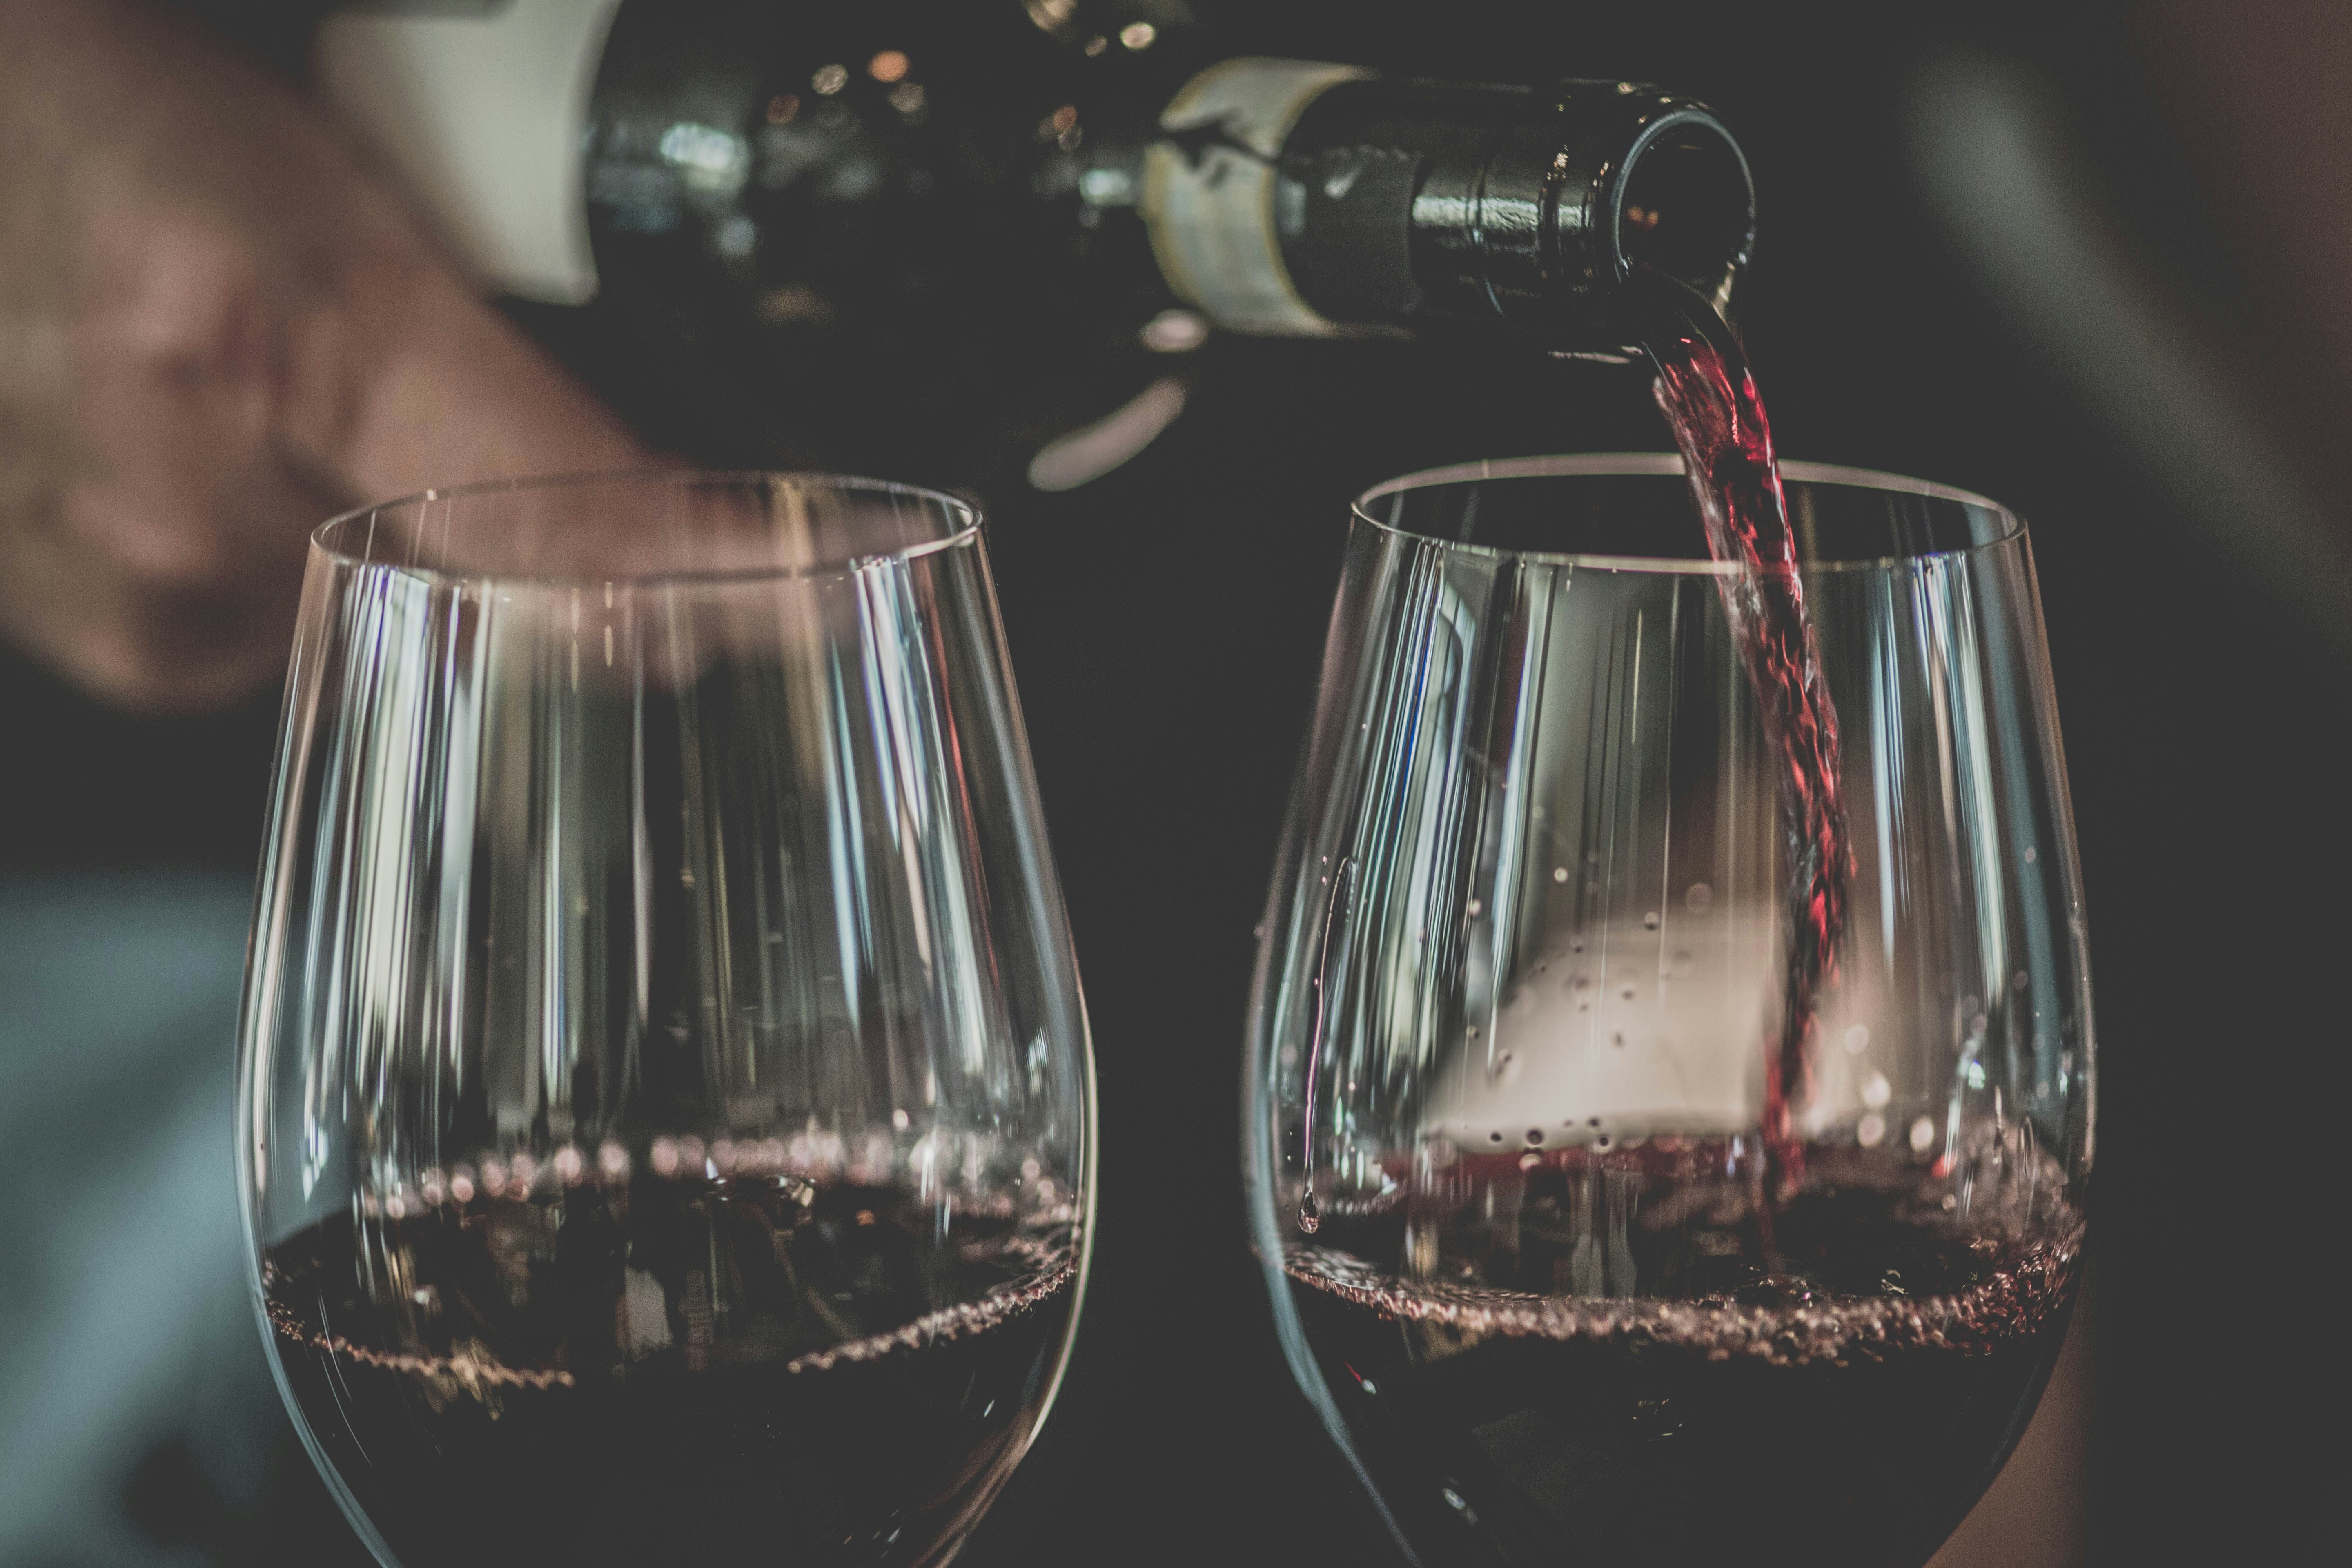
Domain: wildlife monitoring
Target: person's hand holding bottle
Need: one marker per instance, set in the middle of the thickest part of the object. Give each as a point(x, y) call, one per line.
point(216, 329)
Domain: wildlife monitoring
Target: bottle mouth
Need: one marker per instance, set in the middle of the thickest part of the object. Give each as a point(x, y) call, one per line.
point(1684, 204)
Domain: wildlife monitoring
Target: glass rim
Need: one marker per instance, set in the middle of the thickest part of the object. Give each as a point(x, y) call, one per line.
point(965, 513)
point(1658, 465)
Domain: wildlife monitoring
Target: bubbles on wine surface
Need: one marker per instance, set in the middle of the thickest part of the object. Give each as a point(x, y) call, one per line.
point(1780, 1319)
point(1670, 1239)
point(1635, 1359)
point(871, 1358)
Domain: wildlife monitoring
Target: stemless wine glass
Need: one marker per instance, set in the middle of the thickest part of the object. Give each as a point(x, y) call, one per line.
point(1533, 1257)
point(666, 1119)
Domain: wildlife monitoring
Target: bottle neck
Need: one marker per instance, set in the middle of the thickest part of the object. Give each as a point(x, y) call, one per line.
point(1305, 199)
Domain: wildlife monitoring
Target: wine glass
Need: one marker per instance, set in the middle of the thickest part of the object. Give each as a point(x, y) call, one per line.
point(1539, 1257)
point(665, 1116)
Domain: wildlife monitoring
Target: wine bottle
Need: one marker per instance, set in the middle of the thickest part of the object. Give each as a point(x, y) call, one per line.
point(799, 166)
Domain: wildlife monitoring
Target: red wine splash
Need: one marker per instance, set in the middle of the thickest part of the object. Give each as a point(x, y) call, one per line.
point(1710, 398)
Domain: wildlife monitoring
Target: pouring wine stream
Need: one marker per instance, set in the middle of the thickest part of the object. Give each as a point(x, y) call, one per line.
point(1710, 399)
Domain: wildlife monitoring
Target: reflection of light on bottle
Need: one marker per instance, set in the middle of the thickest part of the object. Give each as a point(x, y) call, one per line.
point(709, 160)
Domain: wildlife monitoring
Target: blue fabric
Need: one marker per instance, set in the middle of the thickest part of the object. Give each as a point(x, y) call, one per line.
point(125, 1320)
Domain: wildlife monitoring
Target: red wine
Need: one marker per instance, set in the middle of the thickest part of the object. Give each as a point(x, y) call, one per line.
point(1711, 400)
point(748, 1369)
point(1838, 1386)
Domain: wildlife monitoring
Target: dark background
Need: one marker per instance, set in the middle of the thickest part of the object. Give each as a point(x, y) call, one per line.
point(1165, 621)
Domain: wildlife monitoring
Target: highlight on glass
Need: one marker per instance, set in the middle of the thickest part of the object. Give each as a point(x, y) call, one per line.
point(1608, 1215)
point(666, 1111)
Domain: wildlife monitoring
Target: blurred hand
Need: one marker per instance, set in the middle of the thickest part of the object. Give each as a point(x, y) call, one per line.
point(214, 332)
